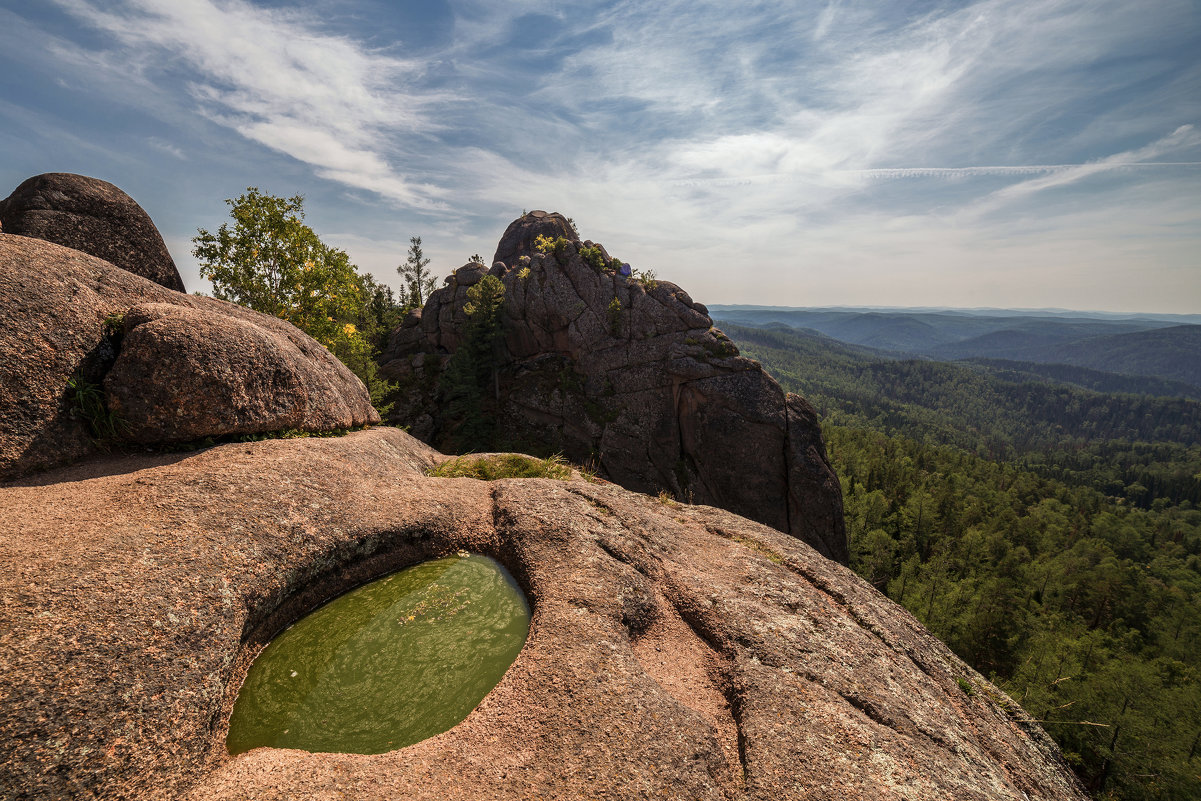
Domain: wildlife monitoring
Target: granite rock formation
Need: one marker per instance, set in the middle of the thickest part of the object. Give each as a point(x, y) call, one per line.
point(184, 373)
point(628, 376)
point(518, 238)
point(93, 216)
point(187, 367)
point(675, 651)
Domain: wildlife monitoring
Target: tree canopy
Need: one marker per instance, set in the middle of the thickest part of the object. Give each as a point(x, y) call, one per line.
point(271, 261)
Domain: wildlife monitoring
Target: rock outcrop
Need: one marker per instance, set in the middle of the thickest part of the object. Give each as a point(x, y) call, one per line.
point(173, 366)
point(675, 651)
point(93, 216)
point(629, 376)
point(518, 238)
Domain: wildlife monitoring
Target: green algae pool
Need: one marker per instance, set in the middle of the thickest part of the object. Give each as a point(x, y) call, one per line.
point(386, 665)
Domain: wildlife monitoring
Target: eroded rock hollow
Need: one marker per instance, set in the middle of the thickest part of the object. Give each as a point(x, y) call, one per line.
point(675, 651)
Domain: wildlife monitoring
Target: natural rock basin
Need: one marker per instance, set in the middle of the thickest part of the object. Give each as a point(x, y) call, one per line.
point(386, 665)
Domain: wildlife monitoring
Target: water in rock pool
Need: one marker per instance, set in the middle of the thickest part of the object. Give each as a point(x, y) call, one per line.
point(385, 665)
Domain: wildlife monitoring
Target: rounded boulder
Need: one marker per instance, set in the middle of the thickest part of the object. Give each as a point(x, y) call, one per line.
point(93, 216)
point(185, 373)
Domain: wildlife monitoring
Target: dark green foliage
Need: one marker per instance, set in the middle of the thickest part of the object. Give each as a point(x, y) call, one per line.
point(419, 281)
point(646, 278)
point(379, 312)
point(593, 258)
point(1081, 607)
point(615, 317)
point(1025, 526)
point(88, 404)
point(470, 389)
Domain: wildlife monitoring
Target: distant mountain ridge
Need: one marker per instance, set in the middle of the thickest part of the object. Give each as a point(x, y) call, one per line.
point(1166, 347)
point(983, 311)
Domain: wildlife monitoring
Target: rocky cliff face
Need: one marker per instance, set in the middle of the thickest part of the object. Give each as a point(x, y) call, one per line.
point(629, 376)
point(675, 651)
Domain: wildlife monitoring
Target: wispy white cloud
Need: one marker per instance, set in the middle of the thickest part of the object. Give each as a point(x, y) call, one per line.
point(275, 78)
point(1184, 137)
point(775, 135)
point(166, 147)
point(826, 19)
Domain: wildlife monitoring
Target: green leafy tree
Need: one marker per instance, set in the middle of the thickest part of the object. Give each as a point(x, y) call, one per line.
point(270, 261)
point(419, 282)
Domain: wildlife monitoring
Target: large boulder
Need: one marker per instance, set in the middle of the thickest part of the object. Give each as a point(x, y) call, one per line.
point(184, 373)
point(66, 321)
point(628, 376)
point(93, 216)
point(675, 651)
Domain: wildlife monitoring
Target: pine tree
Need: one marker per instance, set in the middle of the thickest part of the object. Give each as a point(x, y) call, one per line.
point(419, 282)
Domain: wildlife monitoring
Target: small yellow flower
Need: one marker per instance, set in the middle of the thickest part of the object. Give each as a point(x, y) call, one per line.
point(349, 329)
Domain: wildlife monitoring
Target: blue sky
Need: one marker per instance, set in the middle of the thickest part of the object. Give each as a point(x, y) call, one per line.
point(1017, 153)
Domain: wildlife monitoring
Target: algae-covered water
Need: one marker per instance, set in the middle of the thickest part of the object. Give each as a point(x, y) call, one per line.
point(386, 665)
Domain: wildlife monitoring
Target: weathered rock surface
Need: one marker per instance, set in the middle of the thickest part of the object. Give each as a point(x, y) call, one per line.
point(630, 377)
point(518, 238)
point(675, 651)
point(201, 367)
point(93, 216)
point(184, 373)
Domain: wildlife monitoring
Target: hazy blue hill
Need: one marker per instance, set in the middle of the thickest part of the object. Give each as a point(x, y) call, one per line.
point(900, 332)
point(1173, 353)
point(942, 334)
point(1022, 337)
point(1086, 378)
point(1149, 346)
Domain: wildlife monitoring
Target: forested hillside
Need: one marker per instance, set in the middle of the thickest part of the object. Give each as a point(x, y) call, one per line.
point(1087, 378)
point(1138, 447)
point(1050, 535)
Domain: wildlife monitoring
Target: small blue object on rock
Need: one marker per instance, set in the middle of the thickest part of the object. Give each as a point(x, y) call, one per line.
point(624, 270)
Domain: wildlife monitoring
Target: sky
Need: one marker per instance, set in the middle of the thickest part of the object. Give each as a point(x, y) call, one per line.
point(1001, 153)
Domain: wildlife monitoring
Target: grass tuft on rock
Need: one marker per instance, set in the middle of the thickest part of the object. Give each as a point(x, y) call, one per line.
point(503, 465)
